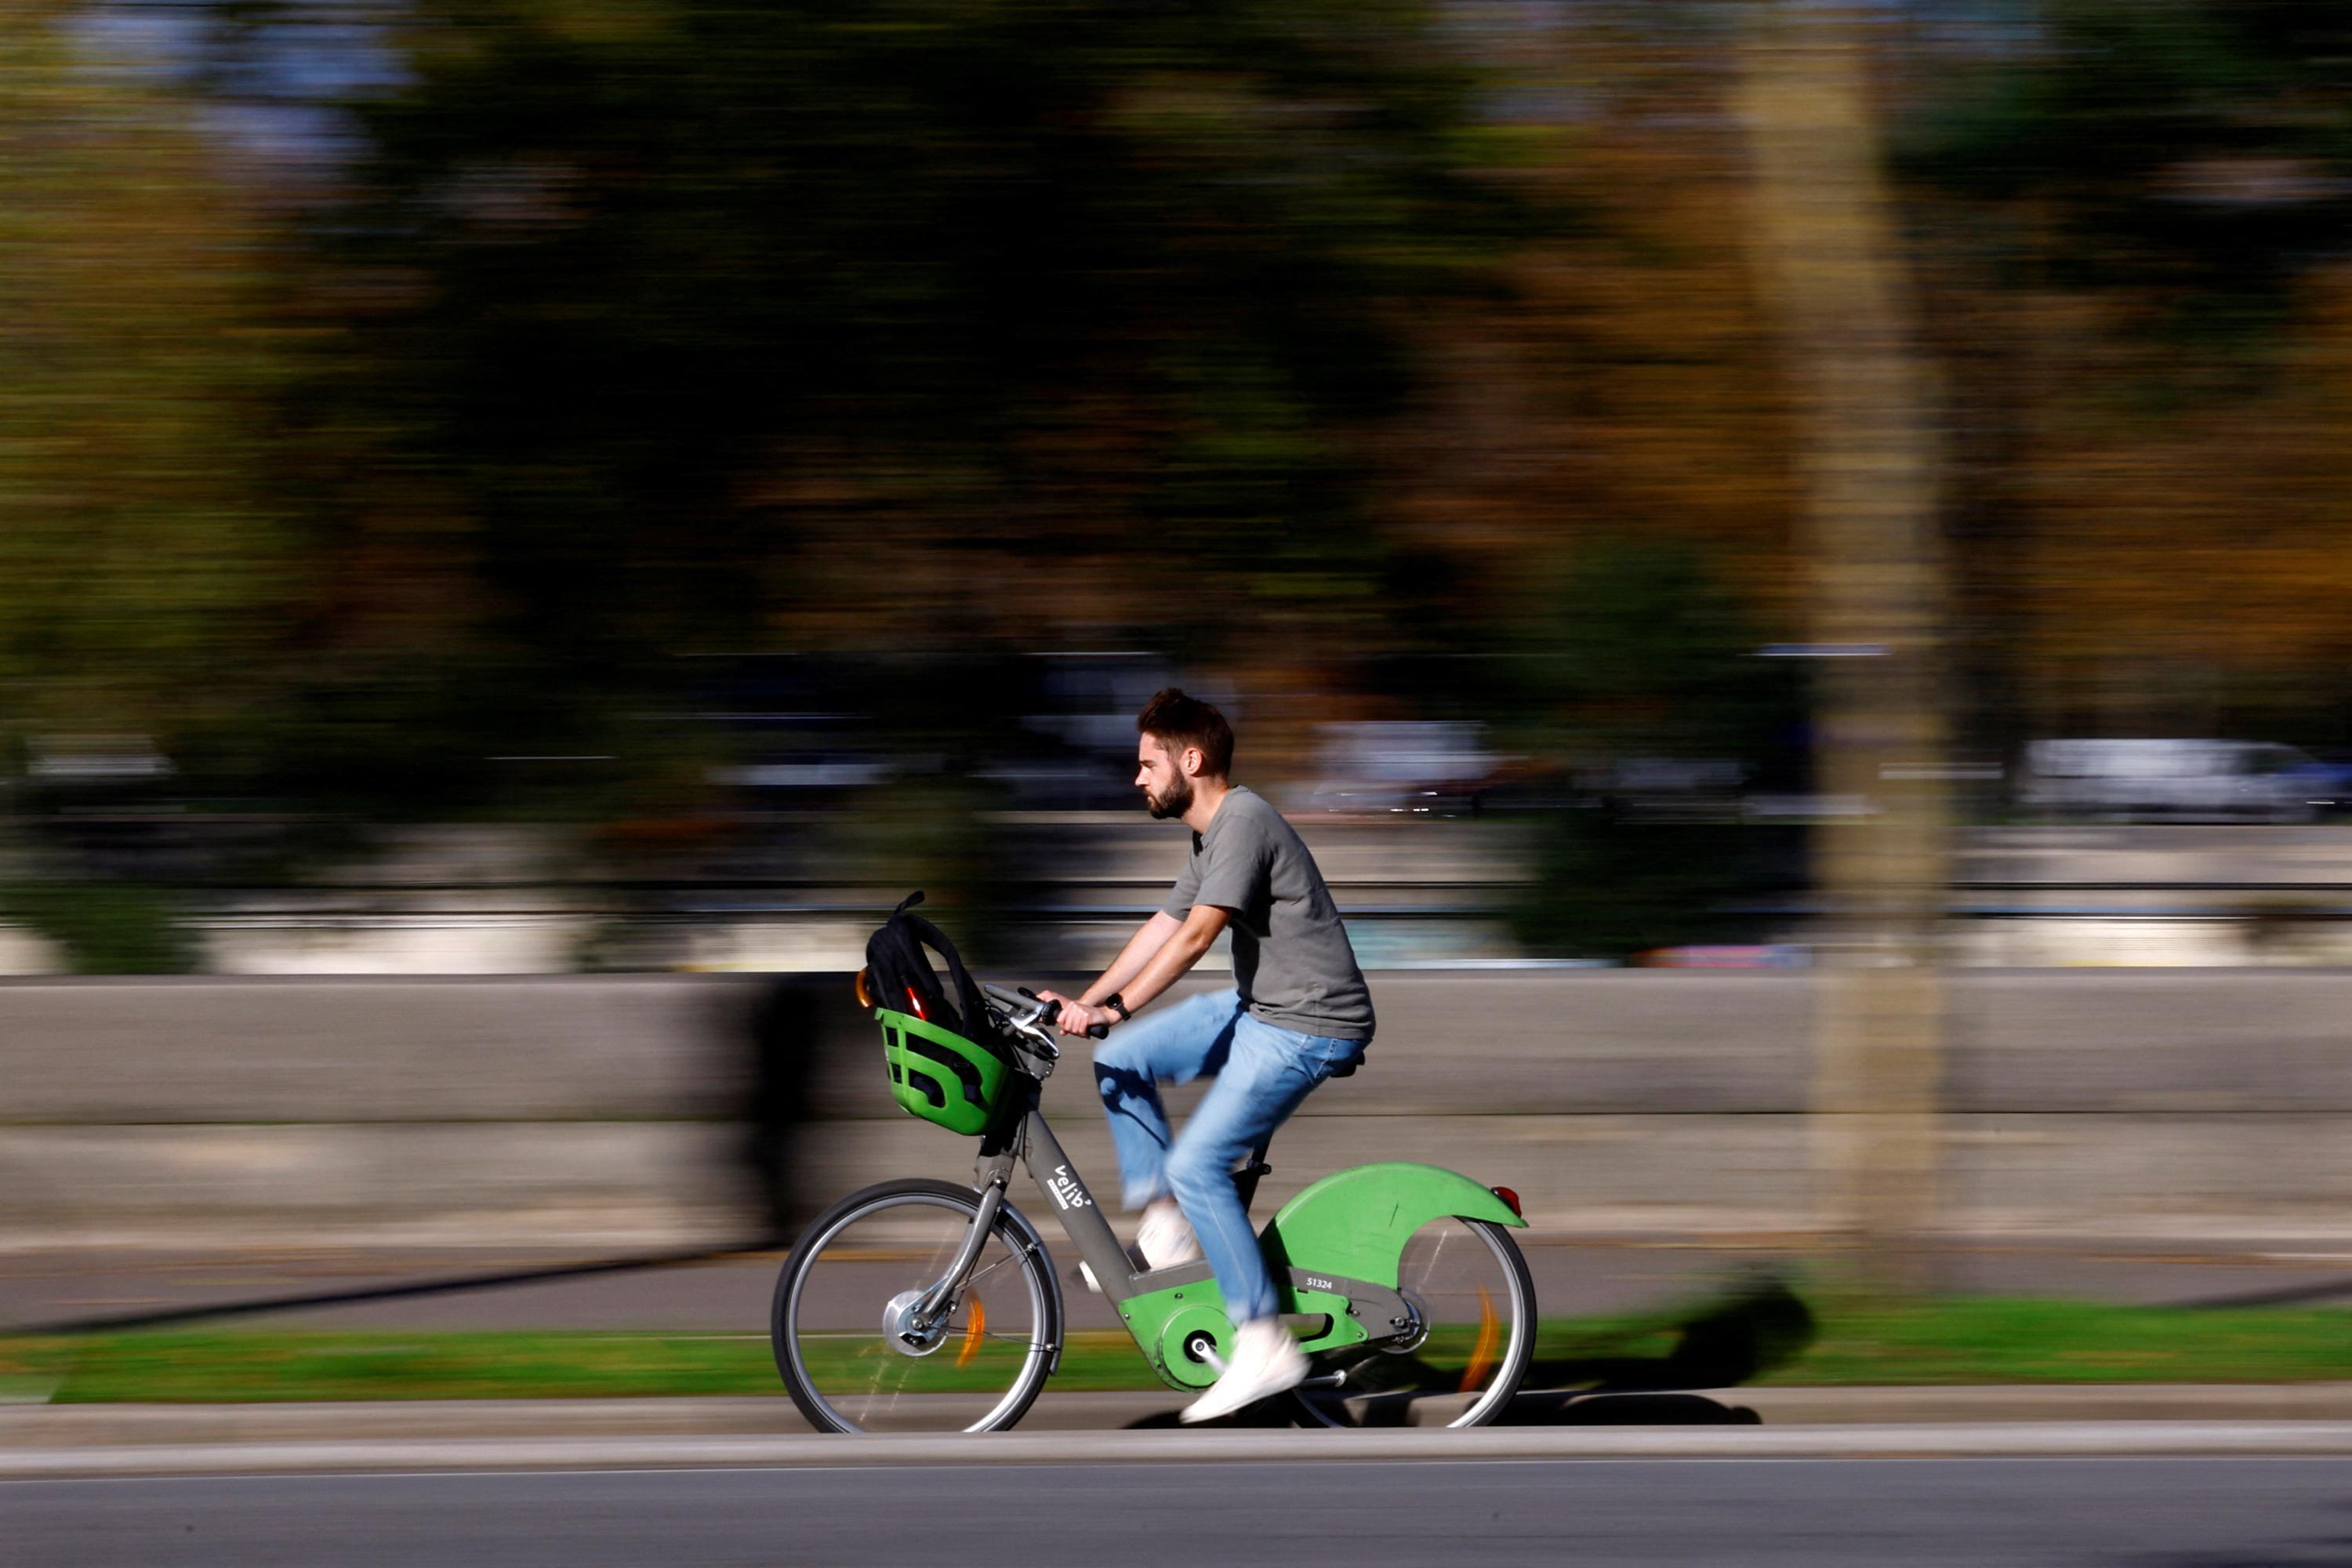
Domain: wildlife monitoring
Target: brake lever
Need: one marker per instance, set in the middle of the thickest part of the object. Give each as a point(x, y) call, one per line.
point(1033, 1027)
point(1040, 1038)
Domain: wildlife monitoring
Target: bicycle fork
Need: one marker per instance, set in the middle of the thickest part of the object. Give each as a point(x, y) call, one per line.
point(1031, 1141)
point(933, 1306)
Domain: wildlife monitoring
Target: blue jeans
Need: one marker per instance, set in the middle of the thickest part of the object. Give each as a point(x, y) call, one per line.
point(1262, 1074)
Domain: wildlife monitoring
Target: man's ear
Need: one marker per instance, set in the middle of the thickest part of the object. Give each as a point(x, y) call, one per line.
point(1191, 761)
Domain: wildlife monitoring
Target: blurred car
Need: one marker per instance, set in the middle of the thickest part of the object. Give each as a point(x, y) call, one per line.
point(1072, 741)
point(793, 730)
point(116, 804)
point(1663, 787)
point(2325, 783)
point(1639, 788)
point(115, 762)
point(2175, 780)
point(1406, 767)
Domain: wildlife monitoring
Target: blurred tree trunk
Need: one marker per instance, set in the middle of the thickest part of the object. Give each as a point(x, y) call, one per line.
point(1829, 264)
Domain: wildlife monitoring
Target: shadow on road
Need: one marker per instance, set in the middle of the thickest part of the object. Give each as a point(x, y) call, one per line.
point(1582, 1408)
point(1760, 1327)
point(443, 1285)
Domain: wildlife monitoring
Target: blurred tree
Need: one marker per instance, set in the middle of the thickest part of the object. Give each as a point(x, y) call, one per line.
point(702, 325)
point(2134, 222)
point(2194, 149)
point(1628, 383)
point(1831, 255)
point(1644, 649)
point(1602, 473)
point(142, 573)
point(1642, 658)
point(139, 563)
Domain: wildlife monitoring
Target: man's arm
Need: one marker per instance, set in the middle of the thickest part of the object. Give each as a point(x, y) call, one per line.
point(1178, 950)
point(1149, 938)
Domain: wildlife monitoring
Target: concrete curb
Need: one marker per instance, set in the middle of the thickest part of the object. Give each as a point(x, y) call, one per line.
point(57, 1426)
point(2038, 1439)
point(2149, 1420)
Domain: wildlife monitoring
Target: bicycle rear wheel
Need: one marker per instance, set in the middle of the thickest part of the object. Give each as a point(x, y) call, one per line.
point(838, 1321)
point(1461, 1362)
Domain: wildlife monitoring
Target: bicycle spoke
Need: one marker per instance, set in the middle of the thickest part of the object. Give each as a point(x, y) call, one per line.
point(1477, 1323)
point(1010, 1256)
point(986, 1357)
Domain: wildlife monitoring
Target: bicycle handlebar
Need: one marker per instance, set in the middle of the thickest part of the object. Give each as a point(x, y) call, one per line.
point(1035, 1007)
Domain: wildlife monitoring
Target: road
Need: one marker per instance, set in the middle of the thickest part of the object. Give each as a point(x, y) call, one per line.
point(1838, 1513)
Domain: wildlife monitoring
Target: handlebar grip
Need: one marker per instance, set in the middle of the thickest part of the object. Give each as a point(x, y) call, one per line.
point(1094, 1031)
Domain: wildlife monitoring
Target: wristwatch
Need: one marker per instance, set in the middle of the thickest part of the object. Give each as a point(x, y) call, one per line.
point(1118, 1006)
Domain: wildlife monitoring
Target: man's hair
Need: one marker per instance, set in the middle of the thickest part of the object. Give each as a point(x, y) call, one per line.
point(1178, 722)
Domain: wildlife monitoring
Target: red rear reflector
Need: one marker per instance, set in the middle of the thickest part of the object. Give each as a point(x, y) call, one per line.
point(1510, 1200)
point(918, 1001)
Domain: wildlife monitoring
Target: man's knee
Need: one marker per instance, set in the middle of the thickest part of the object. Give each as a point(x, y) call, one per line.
point(1191, 1170)
point(1116, 1053)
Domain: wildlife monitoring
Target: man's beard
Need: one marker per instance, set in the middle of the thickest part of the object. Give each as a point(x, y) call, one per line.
point(1175, 803)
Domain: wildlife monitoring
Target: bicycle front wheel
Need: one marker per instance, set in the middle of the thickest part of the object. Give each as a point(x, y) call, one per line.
point(841, 1328)
point(1461, 1359)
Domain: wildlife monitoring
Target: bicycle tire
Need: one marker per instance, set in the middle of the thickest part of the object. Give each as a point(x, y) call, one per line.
point(1321, 1408)
point(790, 1311)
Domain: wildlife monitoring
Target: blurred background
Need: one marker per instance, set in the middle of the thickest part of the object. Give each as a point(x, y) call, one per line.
point(626, 490)
point(506, 487)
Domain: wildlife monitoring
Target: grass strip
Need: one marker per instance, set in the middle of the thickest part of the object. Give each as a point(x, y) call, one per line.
point(1954, 1341)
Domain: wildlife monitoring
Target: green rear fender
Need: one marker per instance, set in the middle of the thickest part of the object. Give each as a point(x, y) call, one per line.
point(1356, 1222)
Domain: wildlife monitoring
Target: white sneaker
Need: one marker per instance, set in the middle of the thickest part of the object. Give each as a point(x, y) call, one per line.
point(1265, 1362)
point(1165, 1240)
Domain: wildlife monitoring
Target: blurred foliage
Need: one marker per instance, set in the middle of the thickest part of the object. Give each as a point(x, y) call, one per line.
point(2198, 146)
point(1384, 360)
point(2131, 221)
point(704, 326)
point(1638, 646)
point(140, 561)
point(105, 927)
point(926, 834)
point(1642, 656)
point(1611, 885)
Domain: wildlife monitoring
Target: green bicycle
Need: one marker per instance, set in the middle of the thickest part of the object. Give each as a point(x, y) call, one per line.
point(921, 1305)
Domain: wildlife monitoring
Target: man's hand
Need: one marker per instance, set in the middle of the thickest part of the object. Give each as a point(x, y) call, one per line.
point(1078, 1018)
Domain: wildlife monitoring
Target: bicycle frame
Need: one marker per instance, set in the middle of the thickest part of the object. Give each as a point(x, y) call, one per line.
point(1175, 1315)
point(1334, 1270)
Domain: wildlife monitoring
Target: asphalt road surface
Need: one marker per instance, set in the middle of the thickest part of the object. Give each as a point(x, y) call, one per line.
point(1845, 1513)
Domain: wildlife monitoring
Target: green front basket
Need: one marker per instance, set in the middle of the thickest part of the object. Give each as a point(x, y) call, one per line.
point(938, 1075)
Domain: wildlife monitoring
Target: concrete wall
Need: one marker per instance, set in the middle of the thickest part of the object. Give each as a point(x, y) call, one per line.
point(568, 1110)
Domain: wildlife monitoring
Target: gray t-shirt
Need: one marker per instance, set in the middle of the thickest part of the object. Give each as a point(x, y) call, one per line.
point(1291, 957)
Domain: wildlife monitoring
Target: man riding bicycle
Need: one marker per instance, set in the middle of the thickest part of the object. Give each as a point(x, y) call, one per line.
point(1299, 1012)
